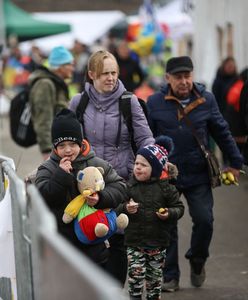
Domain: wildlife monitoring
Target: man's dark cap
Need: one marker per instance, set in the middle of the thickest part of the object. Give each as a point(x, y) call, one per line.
point(179, 64)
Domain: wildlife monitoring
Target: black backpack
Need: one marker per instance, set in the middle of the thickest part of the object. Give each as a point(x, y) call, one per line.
point(21, 126)
point(125, 108)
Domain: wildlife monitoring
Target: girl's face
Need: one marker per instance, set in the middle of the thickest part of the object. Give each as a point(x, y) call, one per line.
point(68, 149)
point(142, 169)
point(106, 82)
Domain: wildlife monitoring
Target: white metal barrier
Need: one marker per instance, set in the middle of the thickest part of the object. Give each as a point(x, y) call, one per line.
point(47, 266)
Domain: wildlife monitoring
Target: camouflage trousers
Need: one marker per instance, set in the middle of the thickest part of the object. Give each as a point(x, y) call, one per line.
point(145, 267)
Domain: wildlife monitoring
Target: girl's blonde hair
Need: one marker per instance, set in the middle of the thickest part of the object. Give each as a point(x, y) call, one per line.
point(95, 63)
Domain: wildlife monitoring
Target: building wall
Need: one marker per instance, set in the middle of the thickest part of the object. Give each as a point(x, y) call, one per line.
point(213, 41)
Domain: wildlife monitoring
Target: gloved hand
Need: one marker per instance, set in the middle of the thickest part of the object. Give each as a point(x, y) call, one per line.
point(172, 170)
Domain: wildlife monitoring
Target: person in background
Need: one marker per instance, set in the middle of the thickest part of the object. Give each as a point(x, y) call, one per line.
point(49, 94)
point(81, 55)
point(106, 130)
point(231, 114)
point(153, 207)
point(16, 69)
point(131, 73)
point(243, 117)
point(57, 183)
point(166, 118)
point(37, 58)
point(226, 74)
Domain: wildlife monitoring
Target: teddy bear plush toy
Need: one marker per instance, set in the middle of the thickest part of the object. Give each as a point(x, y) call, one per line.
point(92, 225)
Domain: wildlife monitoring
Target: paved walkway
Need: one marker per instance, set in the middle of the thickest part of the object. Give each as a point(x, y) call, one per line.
point(227, 266)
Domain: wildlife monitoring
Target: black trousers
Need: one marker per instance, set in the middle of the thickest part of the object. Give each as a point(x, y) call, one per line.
point(117, 263)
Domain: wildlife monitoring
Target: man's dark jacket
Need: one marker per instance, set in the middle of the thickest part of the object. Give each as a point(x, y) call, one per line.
point(203, 112)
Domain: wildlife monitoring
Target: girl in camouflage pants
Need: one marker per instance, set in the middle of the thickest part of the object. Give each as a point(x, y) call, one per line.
point(153, 207)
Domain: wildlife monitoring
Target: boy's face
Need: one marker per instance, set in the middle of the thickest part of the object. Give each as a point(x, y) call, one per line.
point(142, 169)
point(68, 149)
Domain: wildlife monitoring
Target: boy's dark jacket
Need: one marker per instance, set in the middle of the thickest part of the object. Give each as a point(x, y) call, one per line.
point(58, 188)
point(145, 229)
point(163, 115)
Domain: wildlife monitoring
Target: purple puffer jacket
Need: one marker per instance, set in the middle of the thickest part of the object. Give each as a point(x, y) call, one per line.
point(101, 120)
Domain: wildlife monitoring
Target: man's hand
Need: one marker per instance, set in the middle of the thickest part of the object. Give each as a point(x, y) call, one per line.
point(235, 172)
point(172, 170)
point(46, 155)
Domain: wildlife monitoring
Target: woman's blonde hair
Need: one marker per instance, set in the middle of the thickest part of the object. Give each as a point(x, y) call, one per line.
point(95, 63)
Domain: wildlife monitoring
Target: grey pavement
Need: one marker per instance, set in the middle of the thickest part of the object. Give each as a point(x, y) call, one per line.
point(26, 159)
point(227, 266)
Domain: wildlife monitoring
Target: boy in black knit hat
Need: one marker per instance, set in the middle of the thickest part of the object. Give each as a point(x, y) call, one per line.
point(153, 206)
point(56, 179)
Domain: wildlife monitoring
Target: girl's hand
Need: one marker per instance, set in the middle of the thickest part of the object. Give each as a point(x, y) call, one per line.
point(93, 199)
point(132, 207)
point(65, 164)
point(163, 215)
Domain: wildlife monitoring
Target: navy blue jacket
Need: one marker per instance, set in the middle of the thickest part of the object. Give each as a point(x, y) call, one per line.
point(203, 112)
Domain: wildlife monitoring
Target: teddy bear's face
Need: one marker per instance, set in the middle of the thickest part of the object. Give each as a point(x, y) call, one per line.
point(90, 179)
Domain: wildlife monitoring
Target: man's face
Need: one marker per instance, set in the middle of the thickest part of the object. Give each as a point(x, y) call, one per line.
point(181, 84)
point(66, 71)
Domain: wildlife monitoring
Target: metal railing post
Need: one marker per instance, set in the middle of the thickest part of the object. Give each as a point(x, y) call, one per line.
point(22, 247)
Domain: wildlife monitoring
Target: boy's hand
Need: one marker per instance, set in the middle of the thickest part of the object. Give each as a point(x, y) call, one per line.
point(163, 213)
point(132, 207)
point(93, 199)
point(65, 164)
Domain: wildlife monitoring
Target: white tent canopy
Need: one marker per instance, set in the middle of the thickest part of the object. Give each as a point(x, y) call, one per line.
point(210, 47)
point(172, 14)
point(87, 27)
point(179, 22)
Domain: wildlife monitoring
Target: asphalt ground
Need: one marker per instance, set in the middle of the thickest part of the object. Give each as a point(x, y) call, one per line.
point(227, 266)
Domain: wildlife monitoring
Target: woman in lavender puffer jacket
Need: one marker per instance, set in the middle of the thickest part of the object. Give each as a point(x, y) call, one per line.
point(102, 124)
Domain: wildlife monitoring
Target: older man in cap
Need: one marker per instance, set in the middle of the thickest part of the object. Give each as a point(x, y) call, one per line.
point(179, 109)
point(49, 94)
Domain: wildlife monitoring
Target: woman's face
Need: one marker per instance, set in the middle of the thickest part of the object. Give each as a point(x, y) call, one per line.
point(106, 82)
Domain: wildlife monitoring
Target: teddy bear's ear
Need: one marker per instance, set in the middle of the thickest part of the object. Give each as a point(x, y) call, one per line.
point(101, 170)
point(80, 176)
